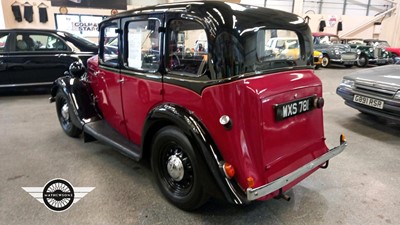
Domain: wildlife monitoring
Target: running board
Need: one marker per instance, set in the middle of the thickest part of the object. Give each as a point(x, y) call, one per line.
point(103, 132)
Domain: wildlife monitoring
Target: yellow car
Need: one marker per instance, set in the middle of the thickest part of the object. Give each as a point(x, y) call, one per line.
point(288, 48)
point(317, 59)
point(294, 54)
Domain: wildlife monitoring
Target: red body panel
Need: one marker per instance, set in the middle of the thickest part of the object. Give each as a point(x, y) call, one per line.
point(258, 145)
point(108, 92)
point(139, 96)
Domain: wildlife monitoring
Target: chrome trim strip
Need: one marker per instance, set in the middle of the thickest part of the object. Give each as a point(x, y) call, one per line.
point(275, 185)
point(25, 84)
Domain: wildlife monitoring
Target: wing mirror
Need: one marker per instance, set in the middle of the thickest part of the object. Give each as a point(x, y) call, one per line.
point(77, 69)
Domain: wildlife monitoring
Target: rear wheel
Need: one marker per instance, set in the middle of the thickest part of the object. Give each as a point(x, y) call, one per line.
point(177, 168)
point(325, 61)
point(63, 108)
point(362, 61)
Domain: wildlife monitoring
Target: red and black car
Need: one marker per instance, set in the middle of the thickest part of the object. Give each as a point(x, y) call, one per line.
point(230, 120)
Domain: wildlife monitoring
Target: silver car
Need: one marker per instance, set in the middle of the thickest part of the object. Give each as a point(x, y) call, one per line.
point(373, 91)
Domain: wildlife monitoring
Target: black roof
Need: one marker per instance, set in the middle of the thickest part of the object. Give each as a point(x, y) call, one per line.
point(225, 13)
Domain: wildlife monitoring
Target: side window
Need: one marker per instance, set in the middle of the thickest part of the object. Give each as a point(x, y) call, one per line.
point(39, 42)
point(3, 39)
point(109, 55)
point(187, 47)
point(143, 47)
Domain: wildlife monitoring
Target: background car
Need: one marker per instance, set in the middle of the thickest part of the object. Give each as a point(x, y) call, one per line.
point(394, 51)
point(373, 91)
point(31, 57)
point(369, 52)
point(333, 51)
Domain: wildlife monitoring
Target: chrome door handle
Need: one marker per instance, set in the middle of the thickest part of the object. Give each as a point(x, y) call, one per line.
point(95, 73)
point(121, 80)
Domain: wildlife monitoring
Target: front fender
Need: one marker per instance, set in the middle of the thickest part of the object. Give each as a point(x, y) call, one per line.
point(170, 114)
point(78, 94)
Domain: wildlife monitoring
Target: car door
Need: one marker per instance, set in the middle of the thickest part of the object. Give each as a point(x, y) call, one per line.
point(37, 58)
point(142, 81)
point(106, 79)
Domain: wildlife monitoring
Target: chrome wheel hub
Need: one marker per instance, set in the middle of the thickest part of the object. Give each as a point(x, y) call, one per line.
point(175, 168)
point(64, 112)
point(325, 61)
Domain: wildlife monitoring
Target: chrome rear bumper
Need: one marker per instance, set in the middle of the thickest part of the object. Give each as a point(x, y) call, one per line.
point(255, 193)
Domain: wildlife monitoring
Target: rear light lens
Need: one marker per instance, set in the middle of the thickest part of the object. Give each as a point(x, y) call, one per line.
point(228, 170)
point(319, 102)
point(250, 182)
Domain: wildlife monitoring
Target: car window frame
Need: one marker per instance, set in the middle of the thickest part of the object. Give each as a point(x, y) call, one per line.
point(125, 23)
point(175, 74)
point(115, 22)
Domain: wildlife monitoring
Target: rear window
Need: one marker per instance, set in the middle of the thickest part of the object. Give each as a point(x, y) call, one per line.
point(269, 49)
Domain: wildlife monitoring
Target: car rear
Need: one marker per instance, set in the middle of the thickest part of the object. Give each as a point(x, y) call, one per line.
point(274, 105)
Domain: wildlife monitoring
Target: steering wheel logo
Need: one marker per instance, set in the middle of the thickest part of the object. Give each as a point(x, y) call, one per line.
point(58, 194)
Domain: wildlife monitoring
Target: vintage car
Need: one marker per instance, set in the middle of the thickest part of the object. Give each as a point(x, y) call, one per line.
point(394, 51)
point(373, 91)
point(226, 122)
point(33, 57)
point(369, 52)
point(288, 47)
point(333, 51)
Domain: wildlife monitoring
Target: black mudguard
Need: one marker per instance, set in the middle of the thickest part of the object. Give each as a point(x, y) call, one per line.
point(79, 96)
point(169, 114)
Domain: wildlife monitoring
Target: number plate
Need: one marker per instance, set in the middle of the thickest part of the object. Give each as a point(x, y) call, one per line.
point(368, 101)
point(289, 109)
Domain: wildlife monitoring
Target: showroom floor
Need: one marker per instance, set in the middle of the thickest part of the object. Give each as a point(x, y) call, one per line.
point(360, 187)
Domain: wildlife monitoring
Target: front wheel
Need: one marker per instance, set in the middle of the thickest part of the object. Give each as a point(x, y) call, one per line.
point(325, 61)
point(362, 61)
point(63, 113)
point(177, 169)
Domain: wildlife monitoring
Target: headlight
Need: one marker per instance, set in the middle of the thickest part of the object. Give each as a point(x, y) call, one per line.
point(348, 83)
point(397, 95)
point(337, 51)
point(371, 49)
point(358, 51)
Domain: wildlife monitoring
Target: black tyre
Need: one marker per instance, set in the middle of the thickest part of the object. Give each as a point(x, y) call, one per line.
point(362, 61)
point(63, 113)
point(325, 61)
point(177, 168)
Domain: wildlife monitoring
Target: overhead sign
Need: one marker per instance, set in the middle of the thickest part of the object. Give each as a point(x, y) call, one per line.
point(84, 25)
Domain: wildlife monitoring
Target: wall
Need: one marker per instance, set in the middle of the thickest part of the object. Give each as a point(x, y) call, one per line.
point(349, 22)
point(10, 22)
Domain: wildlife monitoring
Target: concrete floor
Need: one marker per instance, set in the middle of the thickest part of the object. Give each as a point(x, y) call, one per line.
point(361, 186)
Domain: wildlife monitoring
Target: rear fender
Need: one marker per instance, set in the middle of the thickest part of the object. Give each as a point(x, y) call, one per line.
point(79, 97)
point(170, 114)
